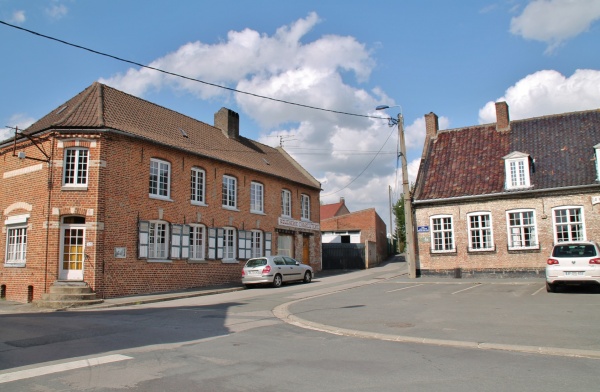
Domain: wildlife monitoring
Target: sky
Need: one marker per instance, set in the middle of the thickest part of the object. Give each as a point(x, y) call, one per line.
point(452, 58)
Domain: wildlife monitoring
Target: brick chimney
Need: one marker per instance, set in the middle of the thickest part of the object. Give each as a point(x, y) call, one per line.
point(502, 118)
point(228, 122)
point(431, 125)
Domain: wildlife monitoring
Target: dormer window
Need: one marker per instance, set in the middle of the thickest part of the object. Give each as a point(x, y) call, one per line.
point(516, 167)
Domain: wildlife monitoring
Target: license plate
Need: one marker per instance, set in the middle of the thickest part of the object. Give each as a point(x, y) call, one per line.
point(254, 272)
point(574, 273)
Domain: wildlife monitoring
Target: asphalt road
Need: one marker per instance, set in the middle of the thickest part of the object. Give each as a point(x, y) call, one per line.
point(372, 330)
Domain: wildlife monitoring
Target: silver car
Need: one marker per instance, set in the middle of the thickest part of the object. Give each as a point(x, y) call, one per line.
point(573, 263)
point(275, 270)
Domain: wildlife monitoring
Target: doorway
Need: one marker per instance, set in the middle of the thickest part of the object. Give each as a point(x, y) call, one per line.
point(72, 251)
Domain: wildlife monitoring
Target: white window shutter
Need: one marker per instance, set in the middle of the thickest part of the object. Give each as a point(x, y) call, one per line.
point(185, 242)
point(212, 243)
point(242, 243)
point(248, 245)
point(143, 229)
point(268, 241)
point(176, 241)
point(220, 243)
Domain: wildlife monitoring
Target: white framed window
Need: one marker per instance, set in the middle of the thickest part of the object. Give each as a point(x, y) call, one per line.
point(522, 230)
point(480, 231)
point(229, 243)
point(286, 203)
point(516, 167)
point(257, 197)
point(160, 179)
point(16, 245)
point(257, 243)
point(197, 242)
point(597, 150)
point(75, 167)
point(158, 240)
point(568, 224)
point(198, 186)
point(229, 192)
point(305, 206)
point(442, 234)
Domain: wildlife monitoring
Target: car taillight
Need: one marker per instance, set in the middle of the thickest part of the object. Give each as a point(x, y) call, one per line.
point(551, 261)
point(266, 270)
point(243, 273)
point(595, 261)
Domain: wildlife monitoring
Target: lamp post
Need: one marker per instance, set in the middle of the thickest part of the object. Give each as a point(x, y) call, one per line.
point(408, 216)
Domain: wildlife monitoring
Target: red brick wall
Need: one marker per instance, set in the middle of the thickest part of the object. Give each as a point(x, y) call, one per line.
point(116, 198)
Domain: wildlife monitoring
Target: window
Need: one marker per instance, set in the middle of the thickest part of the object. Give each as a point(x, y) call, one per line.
point(442, 234)
point(516, 167)
point(568, 224)
point(286, 203)
point(160, 178)
point(75, 167)
point(522, 233)
point(480, 231)
point(256, 197)
point(16, 244)
point(284, 245)
point(305, 203)
point(157, 240)
point(597, 149)
point(257, 241)
point(229, 192)
point(229, 243)
point(197, 240)
point(198, 186)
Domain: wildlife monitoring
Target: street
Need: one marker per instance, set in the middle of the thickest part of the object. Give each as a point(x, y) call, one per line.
point(331, 335)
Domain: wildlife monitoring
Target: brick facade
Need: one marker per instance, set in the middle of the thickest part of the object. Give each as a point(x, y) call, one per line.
point(115, 201)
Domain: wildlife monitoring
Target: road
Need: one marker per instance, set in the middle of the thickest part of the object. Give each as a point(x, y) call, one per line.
point(235, 342)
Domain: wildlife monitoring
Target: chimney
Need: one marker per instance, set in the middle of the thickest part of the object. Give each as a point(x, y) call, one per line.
point(342, 200)
point(431, 125)
point(228, 122)
point(502, 118)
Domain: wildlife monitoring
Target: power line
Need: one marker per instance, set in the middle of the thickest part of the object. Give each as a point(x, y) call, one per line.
point(183, 76)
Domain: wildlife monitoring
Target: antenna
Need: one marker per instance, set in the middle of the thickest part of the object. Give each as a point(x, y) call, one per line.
point(284, 138)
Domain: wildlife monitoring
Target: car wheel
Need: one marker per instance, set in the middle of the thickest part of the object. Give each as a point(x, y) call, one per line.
point(277, 281)
point(550, 287)
point(307, 277)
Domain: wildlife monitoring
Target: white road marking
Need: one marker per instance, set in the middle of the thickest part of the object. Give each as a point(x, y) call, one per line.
point(541, 288)
point(468, 288)
point(404, 288)
point(62, 367)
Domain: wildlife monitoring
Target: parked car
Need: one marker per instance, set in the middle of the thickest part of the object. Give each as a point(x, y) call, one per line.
point(573, 263)
point(275, 270)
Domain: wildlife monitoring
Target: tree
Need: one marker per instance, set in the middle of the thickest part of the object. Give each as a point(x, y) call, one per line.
point(400, 234)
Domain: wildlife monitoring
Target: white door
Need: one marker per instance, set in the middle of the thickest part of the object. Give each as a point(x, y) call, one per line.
point(72, 252)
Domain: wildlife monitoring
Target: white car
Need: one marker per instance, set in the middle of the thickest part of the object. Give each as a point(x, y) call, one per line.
point(573, 263)
point(275, 270)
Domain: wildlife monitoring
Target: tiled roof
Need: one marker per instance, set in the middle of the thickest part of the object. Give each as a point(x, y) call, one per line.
point(103, 107)
point(329, 210)
point(469, 161)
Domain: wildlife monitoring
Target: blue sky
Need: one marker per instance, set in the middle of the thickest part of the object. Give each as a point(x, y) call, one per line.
point(453, 58)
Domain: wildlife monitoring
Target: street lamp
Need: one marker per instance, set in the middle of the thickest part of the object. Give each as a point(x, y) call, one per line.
point(408, 216)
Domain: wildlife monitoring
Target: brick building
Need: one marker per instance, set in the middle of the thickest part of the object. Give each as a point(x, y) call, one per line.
point(495, 198)
point(357, 227)
point(130, 197)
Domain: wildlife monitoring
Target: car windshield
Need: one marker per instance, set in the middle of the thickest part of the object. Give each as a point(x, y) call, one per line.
point(574, 250)
point(256, 263)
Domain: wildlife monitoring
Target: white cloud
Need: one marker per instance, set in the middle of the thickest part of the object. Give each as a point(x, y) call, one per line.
point(57, 11)
point(18, 17)
point(336, 148)
point(548, 92)
point(555, 21)
point(18, 120)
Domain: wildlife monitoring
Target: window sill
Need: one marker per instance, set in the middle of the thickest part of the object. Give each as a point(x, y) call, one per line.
point(229, 261)
point(443, 252)
point(203, 261)
point(74, 188)
point(159, 197)
point(158, 261)
point(199, 204)
point(231, 208)
point(257, 212)
point(14, 265)
point(524, 250)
